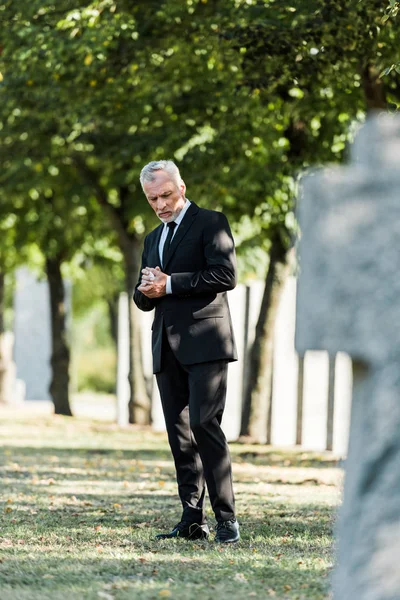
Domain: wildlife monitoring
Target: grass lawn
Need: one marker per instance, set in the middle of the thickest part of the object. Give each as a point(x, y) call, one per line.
point(81, 502)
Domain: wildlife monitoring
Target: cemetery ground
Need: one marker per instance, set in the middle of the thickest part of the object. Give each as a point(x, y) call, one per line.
point(82, 500)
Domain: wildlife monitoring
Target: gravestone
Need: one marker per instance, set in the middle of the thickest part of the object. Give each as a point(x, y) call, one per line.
point(349, 300)
point(123, 387)
point(32, 346)
point(32, 332)
point(10, 391)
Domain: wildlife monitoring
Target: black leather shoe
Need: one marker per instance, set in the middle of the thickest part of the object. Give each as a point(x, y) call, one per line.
point(184, 529)
point(227, 532)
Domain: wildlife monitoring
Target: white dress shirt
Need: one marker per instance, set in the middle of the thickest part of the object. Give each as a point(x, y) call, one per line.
point(163, 237)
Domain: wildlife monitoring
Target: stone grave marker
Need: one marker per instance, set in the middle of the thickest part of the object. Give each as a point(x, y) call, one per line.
point(349, 300)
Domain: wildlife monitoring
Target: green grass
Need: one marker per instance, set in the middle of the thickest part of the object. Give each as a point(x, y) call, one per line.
point(81, 502)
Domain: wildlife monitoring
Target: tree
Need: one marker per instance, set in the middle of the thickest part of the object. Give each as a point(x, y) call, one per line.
point(243, 94)
point(317, 63)
point(113, 119)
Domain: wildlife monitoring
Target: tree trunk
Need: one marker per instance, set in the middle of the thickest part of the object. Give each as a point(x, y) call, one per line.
point(112, 305)
point(3, 399)
point(374, 89)
point(257, 409)
point(59, 386)
point(140, 402)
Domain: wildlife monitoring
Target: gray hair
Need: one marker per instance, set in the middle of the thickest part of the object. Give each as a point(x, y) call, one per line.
point(147, 173)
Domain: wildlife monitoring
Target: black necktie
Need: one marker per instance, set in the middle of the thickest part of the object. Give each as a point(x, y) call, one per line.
point(171, 227)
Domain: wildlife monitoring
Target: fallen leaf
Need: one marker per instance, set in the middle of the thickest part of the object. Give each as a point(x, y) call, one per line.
point(105, 596)
point(164, 593)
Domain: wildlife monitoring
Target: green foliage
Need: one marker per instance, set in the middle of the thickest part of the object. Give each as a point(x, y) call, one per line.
point(95, 370)
point(93, 350)
point(96, 281)
point(392, 10)
point(243, 94)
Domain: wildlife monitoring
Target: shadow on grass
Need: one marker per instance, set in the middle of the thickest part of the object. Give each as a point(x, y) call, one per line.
point(199, 570)
point(145, 515)
point(265, 456)
point(82, 519)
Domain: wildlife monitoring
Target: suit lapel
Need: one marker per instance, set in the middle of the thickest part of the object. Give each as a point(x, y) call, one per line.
point(182, 230)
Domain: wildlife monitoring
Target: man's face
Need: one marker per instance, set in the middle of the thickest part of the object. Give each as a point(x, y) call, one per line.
point(163, 195)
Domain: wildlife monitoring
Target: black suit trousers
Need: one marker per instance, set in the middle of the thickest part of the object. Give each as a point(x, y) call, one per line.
point(193, 401)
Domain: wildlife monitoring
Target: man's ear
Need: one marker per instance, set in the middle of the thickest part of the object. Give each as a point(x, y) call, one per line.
point(182, 188)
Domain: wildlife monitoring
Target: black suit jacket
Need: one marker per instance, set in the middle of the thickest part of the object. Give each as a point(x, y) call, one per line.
point(202, 264)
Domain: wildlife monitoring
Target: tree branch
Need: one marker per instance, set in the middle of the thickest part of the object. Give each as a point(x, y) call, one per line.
point(111, 211)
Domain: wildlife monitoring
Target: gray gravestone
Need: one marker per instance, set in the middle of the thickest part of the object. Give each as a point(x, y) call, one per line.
point(32, 332)
point(123, 387)
point(32, 347)
point(8, 382)
point(349, 300)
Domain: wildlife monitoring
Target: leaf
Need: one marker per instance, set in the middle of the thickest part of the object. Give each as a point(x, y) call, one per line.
point(105, 596)
point(387, 71)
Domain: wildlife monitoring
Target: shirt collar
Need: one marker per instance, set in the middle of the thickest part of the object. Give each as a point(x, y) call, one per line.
point(179, 218)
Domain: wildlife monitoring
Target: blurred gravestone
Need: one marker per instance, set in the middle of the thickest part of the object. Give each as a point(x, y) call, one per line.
point(123, 387)
point(349, 300)
point(11, 391)
point(32, 333)
point(32, 347)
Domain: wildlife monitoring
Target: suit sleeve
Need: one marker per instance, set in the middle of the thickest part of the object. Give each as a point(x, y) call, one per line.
point(143, 302)
point(219, 253)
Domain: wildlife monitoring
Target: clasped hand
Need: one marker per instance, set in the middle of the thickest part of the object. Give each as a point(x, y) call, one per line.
point(153, 284)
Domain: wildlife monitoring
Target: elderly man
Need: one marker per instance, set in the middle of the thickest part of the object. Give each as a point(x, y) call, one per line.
point(188, 265)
